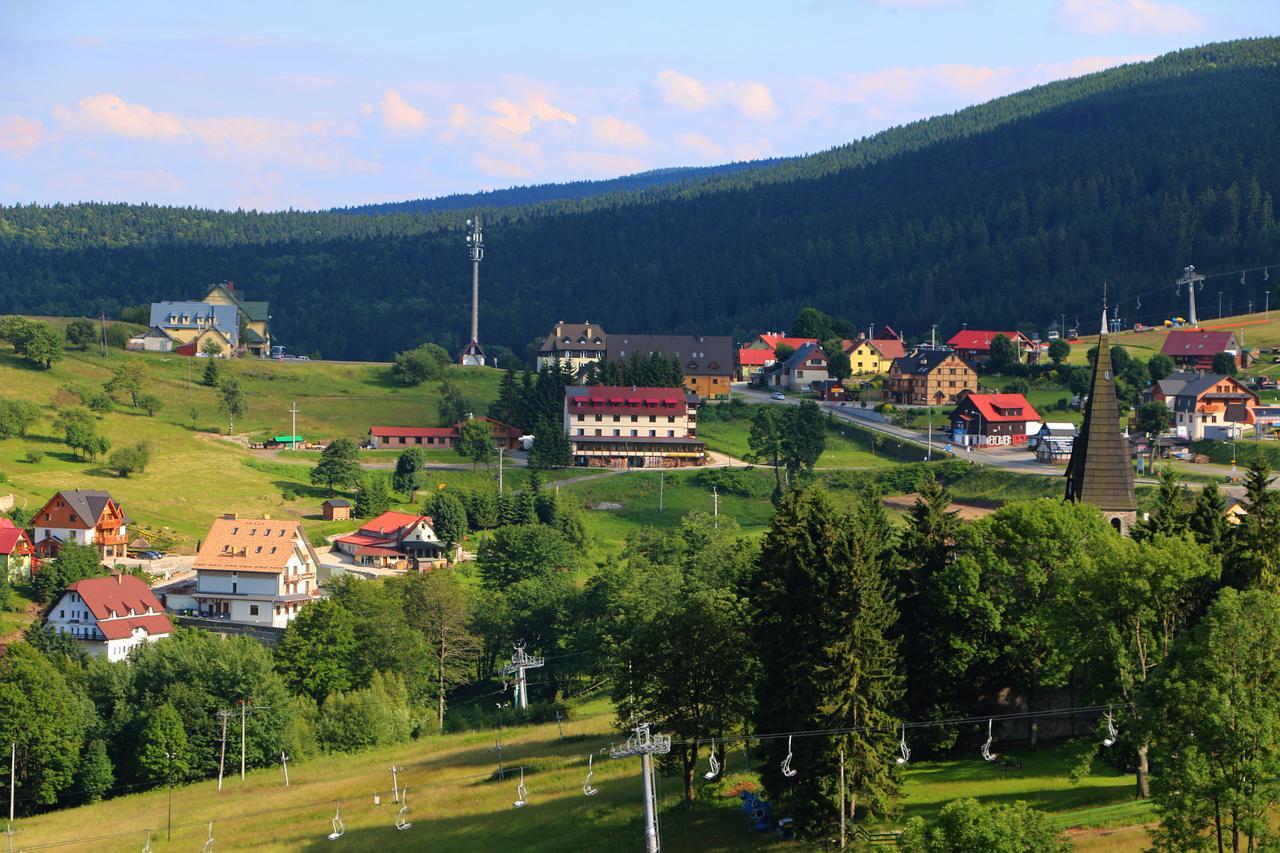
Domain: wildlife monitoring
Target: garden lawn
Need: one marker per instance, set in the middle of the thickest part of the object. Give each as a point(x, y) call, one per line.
point(730, 436)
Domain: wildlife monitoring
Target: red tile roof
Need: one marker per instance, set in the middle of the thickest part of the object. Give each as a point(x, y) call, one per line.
point(749, 357)
point(990, 404)
point(889, 347)
point(111, 597)
point(980, 339)
point(1197, 343)
point(13, 538)
point(794, 343)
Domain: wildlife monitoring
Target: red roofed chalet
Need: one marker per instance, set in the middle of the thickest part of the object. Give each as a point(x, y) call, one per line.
point(393, 540)
point(992, 419)
point(109, 616)
point(15, 551)
point(1194, 349)
point(974, 345)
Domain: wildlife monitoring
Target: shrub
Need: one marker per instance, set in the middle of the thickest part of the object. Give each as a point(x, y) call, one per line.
point(34, 457)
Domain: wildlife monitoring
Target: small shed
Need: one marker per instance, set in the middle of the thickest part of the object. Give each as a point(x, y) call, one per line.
point(337, 509)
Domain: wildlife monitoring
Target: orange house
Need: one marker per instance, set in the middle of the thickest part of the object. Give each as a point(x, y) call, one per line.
point(83, 516)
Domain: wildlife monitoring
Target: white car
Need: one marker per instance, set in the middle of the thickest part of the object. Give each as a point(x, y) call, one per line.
point(778, 395)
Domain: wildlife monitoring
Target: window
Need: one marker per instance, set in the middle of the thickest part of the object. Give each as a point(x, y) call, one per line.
point(617, 432)
point(581, 431)
point(633, 432)
point(62, 614)
point(671, 433)
point(671, 419)
point(617, 418)
point(235, 587)
point(653, 419)
point(634, 418)
point(599, 418)
point(597, 432)
point(253, 610)
point(653, 433)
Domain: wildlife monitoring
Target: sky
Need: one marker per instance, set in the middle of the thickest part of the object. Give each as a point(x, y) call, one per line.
point(274, 104)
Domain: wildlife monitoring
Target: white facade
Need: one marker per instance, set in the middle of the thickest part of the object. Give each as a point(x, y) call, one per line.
point(254, 597)
point(70, 615)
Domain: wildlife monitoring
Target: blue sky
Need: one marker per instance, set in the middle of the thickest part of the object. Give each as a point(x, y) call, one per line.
point(272, 105)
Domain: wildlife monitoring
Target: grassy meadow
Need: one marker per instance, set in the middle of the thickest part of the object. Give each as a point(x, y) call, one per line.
point(457, 803)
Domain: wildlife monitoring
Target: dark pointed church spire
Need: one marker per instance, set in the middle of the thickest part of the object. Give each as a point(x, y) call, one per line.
point(1100, 472)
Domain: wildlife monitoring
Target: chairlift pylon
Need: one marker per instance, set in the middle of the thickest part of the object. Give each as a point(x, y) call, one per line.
point(587, 788)
point(987, 754)
point(786, 762)
point(903, 749)
point(714, 763)
point(339, 828)
point(522, 794)
point(1112, 731)
point(402, 816)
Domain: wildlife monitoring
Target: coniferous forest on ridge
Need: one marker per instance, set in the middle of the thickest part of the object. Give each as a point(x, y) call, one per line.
point(1012, 211)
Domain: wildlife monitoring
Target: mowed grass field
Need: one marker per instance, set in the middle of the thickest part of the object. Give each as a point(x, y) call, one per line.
point(194, 474)
point(456, 802)
point(1258, 330)
point(731, 437)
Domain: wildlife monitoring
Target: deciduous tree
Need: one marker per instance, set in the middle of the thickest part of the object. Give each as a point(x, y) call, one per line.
point(339, 465)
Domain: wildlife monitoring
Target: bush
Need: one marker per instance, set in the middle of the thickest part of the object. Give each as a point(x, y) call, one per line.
point(131, 460)
point(34, 457)
point(1017, 386)
point(734, 481)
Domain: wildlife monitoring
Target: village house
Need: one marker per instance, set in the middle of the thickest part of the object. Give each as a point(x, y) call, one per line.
point(336, 509)
point(83, 516)
point(762, 352)
point(192, 325)
point(873, 355)
point(252, 571)
point(442, 438)
point(974, 345)
point(1206, 405)
point(619, 427)
point(155, 339)
point(574, 344)
point(1053, 442)
point(707, 361)
point(992, 420)
point(15, 551)
point(929, 378)
point(393, 540)
point(1194, 349)
point(800, 370)
point(109, 616)
point(253, 318)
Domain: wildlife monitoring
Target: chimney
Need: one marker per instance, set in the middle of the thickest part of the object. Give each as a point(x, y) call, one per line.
point(120, 578)
point(230, 516)
point(266, 516)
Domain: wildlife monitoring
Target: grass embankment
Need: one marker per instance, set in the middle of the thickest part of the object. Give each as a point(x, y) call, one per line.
point(456, 802)
point(193, 475)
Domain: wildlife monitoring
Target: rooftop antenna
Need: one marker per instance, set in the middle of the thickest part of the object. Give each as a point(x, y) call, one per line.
point(521, 661)
point(1190, 278)
point(646, 745)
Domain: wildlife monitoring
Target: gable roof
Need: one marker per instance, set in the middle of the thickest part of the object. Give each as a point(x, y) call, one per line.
point(255, 312)
point(111, 599)
point(889, 347)
point(980, 339)
point(579, 336)
point(252, 545)
point(797, 358)
point(698, 355)
point(990, 406)
point(87, 504)
point(748, 357)
point(1200, 383)
point(336, 502)
point(13, 538)
point(924, 362)
point(1197, 342)
point(795, 343)
point(386, 531)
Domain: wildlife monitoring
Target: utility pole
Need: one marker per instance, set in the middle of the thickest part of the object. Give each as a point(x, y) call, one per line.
point(646, 745)
point(1219, 304)
point(104, 335)
point(1191, 278)
point(222, 757)
point(520, 662)
point(715, 506)
point(13, 775)
point(395, 783)
point(842, 841)
point(933, 337)
point(662, 477)
point(284, 761)
point(497, 744)
point(244, 714)
point(293, 429)
point(500, 449)
point(168, 779)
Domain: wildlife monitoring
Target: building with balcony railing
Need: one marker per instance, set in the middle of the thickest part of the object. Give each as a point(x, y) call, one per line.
point(109, 616)
point(83, 516)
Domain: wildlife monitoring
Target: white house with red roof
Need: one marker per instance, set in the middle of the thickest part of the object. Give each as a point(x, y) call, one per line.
point(623, 427)
point(993, 420)
point(393, 540)
point(974, 345)
point(109, 616)
point(1194, 349)
point(15, 551)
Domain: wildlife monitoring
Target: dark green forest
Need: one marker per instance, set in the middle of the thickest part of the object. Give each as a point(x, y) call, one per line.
point(1004, 213)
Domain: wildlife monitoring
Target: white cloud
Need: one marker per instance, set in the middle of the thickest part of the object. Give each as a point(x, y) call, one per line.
point(400, 116)
point(683, 91)
point(20, 135)
point(612, 130)
point(1140, 17)
point(499, 168)
point(519, 118)
point(109, 114)
point(458, 115)
point(705, 146)
point(751, 98)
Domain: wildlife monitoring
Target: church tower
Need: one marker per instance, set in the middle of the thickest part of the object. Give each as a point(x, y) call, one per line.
point(1100, 471)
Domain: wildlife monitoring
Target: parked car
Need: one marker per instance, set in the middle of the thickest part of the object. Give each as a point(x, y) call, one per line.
point(151, 555)
point(778, 395)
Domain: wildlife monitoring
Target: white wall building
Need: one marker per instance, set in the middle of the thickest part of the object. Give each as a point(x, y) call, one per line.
point(254, 571)
point(109, 616)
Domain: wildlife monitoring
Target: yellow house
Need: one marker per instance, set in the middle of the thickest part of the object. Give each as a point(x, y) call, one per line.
point(255, 332)
point(868, 356)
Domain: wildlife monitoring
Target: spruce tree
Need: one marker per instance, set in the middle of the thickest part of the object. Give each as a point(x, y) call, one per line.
point(1208, 521)
point(374, 497)
point(210, 378)
point(823, 632)
point(1253, 554)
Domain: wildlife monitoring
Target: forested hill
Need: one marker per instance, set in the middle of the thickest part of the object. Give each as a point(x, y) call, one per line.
point(1011, 211)
point(539, 193)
